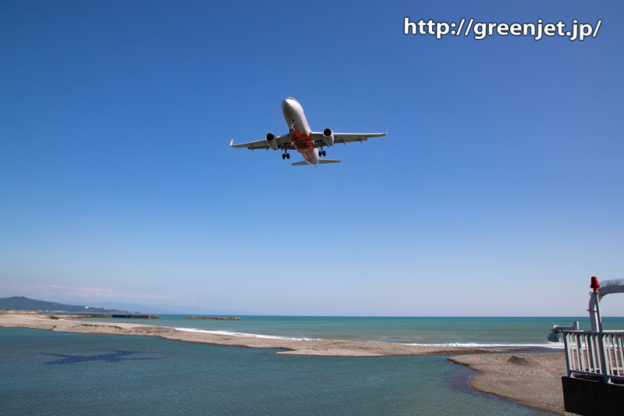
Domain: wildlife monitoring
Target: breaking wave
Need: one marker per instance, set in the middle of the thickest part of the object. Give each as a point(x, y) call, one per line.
point(243, 334)
point(549, 345)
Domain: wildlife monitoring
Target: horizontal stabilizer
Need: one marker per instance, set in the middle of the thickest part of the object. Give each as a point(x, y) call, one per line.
point(321, 162)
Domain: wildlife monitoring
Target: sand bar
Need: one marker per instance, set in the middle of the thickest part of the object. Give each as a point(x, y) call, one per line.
point(326, 347)
point(533, 379)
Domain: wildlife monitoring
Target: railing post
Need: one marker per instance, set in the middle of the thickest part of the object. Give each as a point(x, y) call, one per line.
point(603, 356)
point(567, 353)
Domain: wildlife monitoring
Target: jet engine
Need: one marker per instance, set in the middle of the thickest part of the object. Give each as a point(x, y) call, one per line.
point(328, 137)
point(270, 140)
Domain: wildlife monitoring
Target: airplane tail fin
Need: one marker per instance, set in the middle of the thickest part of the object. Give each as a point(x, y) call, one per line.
point(321, 162)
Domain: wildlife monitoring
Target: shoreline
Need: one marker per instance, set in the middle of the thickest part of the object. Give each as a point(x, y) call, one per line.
point(529, 378)
point(316, 347)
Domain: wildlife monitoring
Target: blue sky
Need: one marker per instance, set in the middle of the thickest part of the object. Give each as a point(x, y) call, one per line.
point(498, 191)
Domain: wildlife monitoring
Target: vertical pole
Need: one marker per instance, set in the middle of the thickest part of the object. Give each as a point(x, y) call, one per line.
point(596, 319)
point(593, 305)
point(567, 352)
point(603, 356)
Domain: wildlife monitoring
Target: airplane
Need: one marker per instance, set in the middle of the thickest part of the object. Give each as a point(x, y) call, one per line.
point(302, 139)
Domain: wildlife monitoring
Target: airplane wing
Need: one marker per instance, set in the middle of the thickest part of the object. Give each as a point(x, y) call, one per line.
point(282, 142)
point(318, 137)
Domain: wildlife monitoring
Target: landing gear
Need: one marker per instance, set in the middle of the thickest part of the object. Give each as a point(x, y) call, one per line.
point(322, 153)
point(285, 155)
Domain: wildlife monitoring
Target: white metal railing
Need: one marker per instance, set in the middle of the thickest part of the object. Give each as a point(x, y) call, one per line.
point(595, 354)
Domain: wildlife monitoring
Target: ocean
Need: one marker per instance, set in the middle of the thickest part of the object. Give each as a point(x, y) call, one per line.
point(51, 373)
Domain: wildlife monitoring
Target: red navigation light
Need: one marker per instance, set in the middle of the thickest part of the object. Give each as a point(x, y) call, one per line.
point(594, 284)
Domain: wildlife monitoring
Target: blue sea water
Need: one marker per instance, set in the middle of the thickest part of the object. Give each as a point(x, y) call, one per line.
point(51, 373)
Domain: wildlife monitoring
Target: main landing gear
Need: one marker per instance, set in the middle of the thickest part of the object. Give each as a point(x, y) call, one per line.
point(322, 152)
point(285, 155)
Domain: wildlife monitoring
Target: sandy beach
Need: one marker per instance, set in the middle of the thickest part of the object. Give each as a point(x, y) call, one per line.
point(533, 379)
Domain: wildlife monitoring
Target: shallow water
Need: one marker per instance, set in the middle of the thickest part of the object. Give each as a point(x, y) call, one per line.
point(45, 372)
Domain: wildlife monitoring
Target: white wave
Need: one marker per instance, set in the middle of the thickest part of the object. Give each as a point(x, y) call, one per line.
point(243, 334)
point(549, 345)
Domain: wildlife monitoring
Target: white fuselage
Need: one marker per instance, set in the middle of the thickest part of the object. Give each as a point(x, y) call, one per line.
point(299, 130)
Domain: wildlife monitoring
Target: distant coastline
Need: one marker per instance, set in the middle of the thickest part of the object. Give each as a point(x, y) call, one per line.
point(22, 303)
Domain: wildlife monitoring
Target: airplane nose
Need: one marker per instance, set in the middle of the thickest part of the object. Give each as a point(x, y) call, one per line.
point(288, 107)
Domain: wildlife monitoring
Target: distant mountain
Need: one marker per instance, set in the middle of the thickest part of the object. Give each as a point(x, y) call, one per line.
point(22, 303)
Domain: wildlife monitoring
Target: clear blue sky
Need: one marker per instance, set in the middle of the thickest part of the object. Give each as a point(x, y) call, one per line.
point(498, 191)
